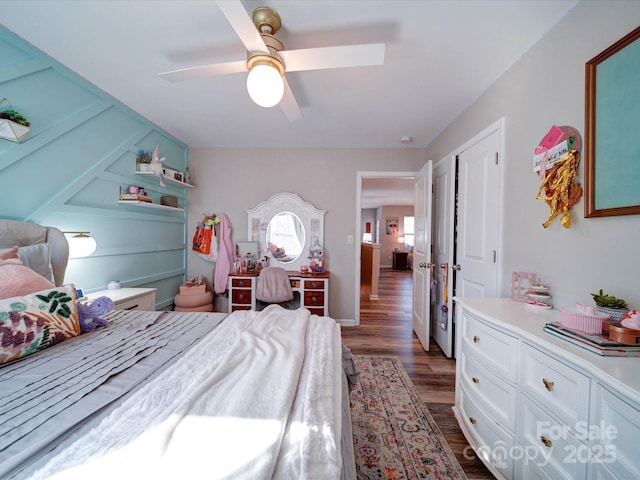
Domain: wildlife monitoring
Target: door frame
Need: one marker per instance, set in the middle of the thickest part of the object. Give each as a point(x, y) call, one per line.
point(360, 175)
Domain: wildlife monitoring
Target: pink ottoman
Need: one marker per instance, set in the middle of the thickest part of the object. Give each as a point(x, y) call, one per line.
point(202, 308)
point(200, 302)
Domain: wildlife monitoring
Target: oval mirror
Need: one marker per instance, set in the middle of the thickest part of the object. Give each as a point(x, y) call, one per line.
point(285, 237)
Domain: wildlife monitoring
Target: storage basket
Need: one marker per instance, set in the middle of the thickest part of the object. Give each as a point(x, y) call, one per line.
point(169, 201)
point(590, 323)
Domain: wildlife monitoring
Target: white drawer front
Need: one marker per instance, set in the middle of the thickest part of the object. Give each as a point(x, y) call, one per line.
point(561, 389)
point(616, 431)
point(145, 302)
point(548, 445)
point(493, 393)
point(492, 444)
point(497, 350)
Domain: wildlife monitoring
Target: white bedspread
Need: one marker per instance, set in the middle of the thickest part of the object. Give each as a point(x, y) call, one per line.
point(241, 404)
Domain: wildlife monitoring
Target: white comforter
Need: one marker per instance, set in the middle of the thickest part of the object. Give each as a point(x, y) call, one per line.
point(241, 404)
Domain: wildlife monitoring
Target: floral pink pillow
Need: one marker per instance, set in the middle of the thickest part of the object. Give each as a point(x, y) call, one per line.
point(31, 322)
point(21, 335)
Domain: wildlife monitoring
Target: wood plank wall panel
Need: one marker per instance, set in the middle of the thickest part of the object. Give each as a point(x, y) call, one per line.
point(67, 172)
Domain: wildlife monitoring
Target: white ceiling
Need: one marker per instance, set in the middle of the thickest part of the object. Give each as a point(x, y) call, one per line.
point(440, 57)
point(378, 192)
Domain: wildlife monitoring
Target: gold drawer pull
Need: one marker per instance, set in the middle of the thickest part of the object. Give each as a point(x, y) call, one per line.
point(476, 339)
point(475, 379)
point(548, 384)
point(473, 420)
point(546, 441)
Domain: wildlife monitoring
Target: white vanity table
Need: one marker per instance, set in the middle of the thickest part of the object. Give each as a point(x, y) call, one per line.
point(288, 222)
point(312, 290)
point(534, 406)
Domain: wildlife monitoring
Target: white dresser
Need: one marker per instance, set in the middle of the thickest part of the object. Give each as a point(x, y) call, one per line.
point(534, 406)
point(129, 298)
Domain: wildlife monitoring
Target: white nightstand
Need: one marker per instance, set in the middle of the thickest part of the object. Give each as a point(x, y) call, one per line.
point(128, 298)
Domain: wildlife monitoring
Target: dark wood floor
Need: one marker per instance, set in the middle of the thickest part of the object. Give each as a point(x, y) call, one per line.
point(386, 329)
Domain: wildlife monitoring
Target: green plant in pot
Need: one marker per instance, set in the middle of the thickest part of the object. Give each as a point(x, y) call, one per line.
point(612, 306)
point(13, 125)
point(143, 159)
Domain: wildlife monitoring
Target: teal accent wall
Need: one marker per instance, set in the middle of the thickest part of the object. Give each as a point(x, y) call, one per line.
point(67, 172)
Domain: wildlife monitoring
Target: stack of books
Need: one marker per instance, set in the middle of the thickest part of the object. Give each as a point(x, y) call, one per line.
point(134, 197)
point(593, 343)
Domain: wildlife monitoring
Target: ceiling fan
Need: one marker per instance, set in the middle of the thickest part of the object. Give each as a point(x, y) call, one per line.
point(266, 56)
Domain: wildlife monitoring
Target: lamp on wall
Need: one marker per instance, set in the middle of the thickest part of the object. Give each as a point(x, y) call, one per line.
point(81, 244)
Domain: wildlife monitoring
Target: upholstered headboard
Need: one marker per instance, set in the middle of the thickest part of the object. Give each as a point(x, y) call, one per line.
point(23, 234)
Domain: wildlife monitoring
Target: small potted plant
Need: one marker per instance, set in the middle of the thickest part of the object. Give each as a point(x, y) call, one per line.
point(143, 159)
point(13, 125)
point(612, 306)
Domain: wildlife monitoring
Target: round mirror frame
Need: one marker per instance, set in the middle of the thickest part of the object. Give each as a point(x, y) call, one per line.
point(312, 220)
point(281, 250)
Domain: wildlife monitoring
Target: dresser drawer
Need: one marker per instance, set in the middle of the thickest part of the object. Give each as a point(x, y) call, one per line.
point(314, 284)
point(141, 303)
point(548, 444)
point(314, 299)
point(491, 443)
point(560, 388)
point(617, 433)
point(241, 282)
point(497, 350)
point(492, 392)
point(241, 295)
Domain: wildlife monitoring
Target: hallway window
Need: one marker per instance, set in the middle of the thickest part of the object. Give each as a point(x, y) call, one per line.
point(408, 231)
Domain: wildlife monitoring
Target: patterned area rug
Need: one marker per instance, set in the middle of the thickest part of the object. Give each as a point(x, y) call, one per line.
point(394, 435)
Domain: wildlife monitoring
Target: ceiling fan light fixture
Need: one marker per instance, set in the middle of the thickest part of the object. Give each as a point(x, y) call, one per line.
point(265, 84)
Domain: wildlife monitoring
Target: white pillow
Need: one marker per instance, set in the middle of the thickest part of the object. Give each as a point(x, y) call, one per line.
point(37, 258)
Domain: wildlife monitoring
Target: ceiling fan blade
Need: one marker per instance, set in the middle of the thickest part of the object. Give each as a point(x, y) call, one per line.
point(333, 57)
point(242, 23)
point(289, 105)
point(204, 71)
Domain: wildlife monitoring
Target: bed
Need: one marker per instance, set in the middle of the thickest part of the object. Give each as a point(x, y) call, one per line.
point(178, 395)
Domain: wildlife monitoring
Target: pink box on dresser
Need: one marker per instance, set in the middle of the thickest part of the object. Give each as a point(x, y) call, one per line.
point(587, 321)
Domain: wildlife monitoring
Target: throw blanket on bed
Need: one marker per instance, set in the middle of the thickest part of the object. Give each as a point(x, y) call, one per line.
point(44, 395)
point(254, 412)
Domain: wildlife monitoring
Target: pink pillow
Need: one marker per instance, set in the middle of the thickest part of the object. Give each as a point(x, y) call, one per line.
point(17, 280)
point(9, 253)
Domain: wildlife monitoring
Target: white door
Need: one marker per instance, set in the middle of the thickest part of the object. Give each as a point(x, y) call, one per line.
point(444, 186)
point(422, 255)
point(478, 218)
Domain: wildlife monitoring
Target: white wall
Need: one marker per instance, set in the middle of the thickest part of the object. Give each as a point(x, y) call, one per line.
point(230, 180)
point(544, 88)
point(389, 243)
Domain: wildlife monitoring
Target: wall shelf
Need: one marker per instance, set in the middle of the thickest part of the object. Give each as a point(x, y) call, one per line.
point(142, 203)
point(139, 203)
point(167, 179)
